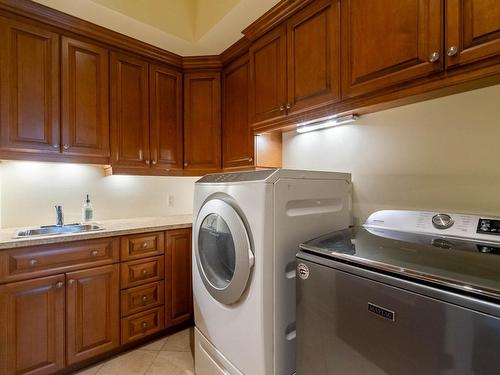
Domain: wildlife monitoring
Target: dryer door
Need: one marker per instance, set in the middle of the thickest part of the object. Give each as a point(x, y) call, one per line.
point(222, 250)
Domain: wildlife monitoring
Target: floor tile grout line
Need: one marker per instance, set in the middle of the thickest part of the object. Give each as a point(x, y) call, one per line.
point(152, 362)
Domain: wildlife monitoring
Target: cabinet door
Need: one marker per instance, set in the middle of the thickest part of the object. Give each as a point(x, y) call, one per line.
point(178, 286)
point(472, 30)
point(202, 121)
point(314, 56)
point(237, 135)
point(389, 42)
point(166, 117)
point(29, 86)
point(129, 112)
point(92, 316)
point(32, 325)
point(85, 99)
point(268, 77)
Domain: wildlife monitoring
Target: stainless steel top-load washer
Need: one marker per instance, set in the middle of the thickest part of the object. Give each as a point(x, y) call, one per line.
point(408, 293)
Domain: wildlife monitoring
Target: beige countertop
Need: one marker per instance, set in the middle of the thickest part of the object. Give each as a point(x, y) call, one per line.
point(111, 228)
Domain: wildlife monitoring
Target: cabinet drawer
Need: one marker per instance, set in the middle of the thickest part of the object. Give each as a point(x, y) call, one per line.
point(34, 261)
point(143, 324)
point(142, 297)
point(142, 245)
point(142, 271)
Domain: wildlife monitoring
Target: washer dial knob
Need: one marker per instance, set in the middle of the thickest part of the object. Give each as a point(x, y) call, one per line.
point(442, 221)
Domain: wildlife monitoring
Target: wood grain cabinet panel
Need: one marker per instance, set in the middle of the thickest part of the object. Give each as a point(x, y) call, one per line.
point(85, 99)
point(32, 324)
point(472, 31)
point(178, 284)
point(202, 121)
point(165, 118)
point(237, 135)
point(389, 42)
point(268, 77)
point(140, 298)
point(93, 318)
point(142, 324)
point(129, 112)
point(142, 245)
point(29, 84)
point(142, 271)
point(313, 49)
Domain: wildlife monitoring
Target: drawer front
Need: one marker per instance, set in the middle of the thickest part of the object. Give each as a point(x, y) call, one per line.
point(142, 245)
point(142, 298)
point(34, 261)
point(142, 271)
point(143, 324)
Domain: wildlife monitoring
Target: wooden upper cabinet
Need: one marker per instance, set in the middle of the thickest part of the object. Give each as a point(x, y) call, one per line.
point(165, 117)
point(32, 324)
point(202, 121)
point(129, 111)
point(472, 30)
point(237, 135)
point(389, 42)
point(313, 48)
point(85, 99)
point(268, 92)
point(29, 86)
point(92, 317)
point(178, 285)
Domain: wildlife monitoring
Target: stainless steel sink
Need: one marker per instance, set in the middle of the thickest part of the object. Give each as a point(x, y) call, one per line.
point(51, 230)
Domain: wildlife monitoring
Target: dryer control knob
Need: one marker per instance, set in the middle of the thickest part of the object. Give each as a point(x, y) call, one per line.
point(442, 221)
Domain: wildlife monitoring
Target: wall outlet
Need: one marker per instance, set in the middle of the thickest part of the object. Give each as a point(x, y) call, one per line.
point(170, 200)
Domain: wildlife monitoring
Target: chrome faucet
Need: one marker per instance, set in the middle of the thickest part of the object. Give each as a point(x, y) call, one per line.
point(60, 216)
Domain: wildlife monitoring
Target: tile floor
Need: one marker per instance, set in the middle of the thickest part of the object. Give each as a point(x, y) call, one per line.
point(170, 355)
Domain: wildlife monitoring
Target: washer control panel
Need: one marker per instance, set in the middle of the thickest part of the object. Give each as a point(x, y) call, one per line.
point(488, 226)
point(442, 221)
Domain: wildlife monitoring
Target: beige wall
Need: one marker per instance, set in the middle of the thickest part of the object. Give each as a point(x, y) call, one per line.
point(442, 154)
point(29, 191)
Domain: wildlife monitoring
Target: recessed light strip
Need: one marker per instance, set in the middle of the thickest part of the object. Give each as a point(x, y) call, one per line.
point(327, 122)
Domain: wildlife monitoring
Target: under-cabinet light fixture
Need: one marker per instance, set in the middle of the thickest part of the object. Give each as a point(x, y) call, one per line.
point(325, 122)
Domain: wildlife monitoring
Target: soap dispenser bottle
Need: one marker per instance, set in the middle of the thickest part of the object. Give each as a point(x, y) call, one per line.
point(87, 211)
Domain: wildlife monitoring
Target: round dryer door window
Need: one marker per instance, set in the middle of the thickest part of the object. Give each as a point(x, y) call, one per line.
point(223, 254)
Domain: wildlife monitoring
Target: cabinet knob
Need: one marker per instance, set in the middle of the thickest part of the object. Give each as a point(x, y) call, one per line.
point(59, 284)
point(144, 299)
point(154, 162)
point(144, 272)
point(33, 262)
point(186, 164)
point(94, 253)
point(55, 145)
point(288, 106)
point(452, 51)
point(65, 146)
point(250, 159)
point(144, 325)
point(144, 245)
point(146, 161)
point(71, 282)
point(434, 57)
point(282, 108)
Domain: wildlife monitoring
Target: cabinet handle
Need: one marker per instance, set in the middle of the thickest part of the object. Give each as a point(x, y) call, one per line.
point(33, 262)
point(154, 162)
point(65, 146)
point(94, 253)
point(186, 164)
point(55, 145)
point(71, 282)
point(452, 51)
point(59, 284)
point(250, 159)
point(144, 245)
point(146, 161)
point(144, 299)
point(282, 108)
point(144, 272)
point(144, 325)
point(434, 57)
point(288, 106)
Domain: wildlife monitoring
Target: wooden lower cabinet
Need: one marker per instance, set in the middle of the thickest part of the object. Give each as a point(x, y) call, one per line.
point(92, 312)
point(143, 324)
point(32, 325)
point(178, 280)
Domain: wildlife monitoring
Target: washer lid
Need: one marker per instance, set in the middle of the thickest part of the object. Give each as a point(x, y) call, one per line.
point(222, 249)
point(470, 266)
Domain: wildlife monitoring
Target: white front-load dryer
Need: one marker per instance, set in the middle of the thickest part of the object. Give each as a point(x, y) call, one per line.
point(246, 232)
